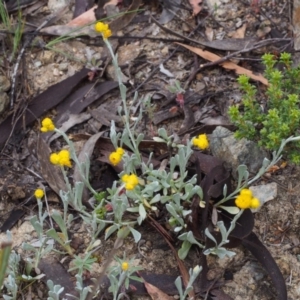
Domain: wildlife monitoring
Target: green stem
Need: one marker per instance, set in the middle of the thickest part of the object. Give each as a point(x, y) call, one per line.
point(77, 162)
point(123, 91)
point(262, 171)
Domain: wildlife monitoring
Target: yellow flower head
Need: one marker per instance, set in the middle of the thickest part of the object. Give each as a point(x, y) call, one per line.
point(255, 203)
point(47, 125)
point(103, 29)
point(134, 179)
point(242, 202)
point(125, 177)
point(245, 200)
point(129, 186)
point(106, 34)
point(120, 150)
point(54, 158)
point(131, 181)
point(201, 142)
point(64, 158)
point(61, 158)
point(115, 158)
point(39, 193)
point(125, 266)
point(246, 193)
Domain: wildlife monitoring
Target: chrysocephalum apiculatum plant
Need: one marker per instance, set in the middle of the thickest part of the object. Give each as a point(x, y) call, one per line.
point(140, 191)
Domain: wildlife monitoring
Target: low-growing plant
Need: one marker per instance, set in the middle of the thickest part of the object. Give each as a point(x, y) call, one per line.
point(119, 276)
point(141, 192)
point(193, 273)
point(280, 117)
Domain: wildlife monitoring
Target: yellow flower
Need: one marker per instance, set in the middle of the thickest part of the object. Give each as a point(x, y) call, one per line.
point(106, 34)
point(125, 266)
point(255, 203)
point(129, 186)
point(103, 29)
point(47, 125)
point(115, 158)
point(201, 142)
point(125, 177)
point(39, 193)
point(64, 158)
point(131, 181)
point(54, 158)
point(61, 158)
point(242, 202)
point(246, 193)
point(120, 150)
point(245, 200)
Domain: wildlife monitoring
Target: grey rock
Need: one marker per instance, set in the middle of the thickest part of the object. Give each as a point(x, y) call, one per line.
point(37, 64)
point(235, 152)
point(264, 193)
point(56, 5)
point(4, 84)
point(63, 66)
point(4, 101)
point(47, 57)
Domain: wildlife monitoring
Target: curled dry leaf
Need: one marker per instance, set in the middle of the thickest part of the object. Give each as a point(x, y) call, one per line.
point(126, 18)
point(196, 6)
point(77, 26)
point(73, 120)
point(240, 33)
point(49, 172)
point(81, 6)
point(112, 2)
point(209, 32)
point(84, 19)
point(263, 31)
point(85, 155)
point(227, 64)
point(155, 293)
point(169, 11)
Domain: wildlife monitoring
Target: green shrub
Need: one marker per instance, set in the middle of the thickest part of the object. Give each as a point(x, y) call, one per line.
point(281, 117)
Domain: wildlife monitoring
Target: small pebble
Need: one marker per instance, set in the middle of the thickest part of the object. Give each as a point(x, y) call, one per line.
point(63, 66)
point(55, 72)
point(37, 64)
